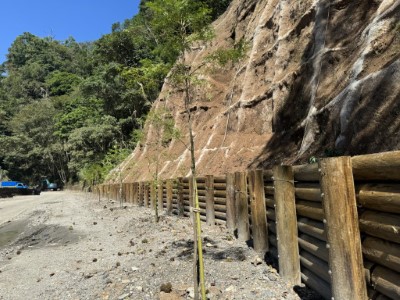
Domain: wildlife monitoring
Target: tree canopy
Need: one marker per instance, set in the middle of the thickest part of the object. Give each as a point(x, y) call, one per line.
point(69, 110)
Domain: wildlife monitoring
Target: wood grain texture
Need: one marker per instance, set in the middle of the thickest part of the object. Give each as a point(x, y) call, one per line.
point(210, 210)
point(288, 248)
point(343, 234)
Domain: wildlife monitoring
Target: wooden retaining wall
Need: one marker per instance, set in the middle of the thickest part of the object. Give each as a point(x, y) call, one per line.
point(334, 225)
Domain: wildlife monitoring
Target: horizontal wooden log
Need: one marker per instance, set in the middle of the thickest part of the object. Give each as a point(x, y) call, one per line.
point(308, 191)
point(219, 207)
point(269, 189)
point(381, 225)
point(316, 283)
point(382, 252)
point(379, 166)
point(272, 227)
point(386, 282)
point(306, 172)
point(270, 202)
point(220, 215)
point(313, 228)
point(220, 222)
point(200, 180)
point(310, 209)
point(314, 246)
point(220, 193)
point(271, 214)
point(220, 179)
point(382, 197)
point(316, 265)
point(273, 241)
point(268, 174)
point(201, 186)
point(219, 200)
point(220, 186)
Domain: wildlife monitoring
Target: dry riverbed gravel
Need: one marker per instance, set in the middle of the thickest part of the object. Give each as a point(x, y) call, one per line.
point(71, 246)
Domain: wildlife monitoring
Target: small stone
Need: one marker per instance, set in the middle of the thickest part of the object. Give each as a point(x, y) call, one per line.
point(230, 289)
point(166, 287)
point(39, 280)
point(125, 281)
point(145, 241)
point(87, 276)
point(94, 259)
point(18, 252)
point(209, 245)
point(139, 288)
point(190, 292)
point(272, 277)
point(119, 254)
point(52, 274)
point(94, 223)
point(257, 261)
point(108, 281)
point(132, 243)
point(118, 264)
point(134, 269)
point(71, 228)
point(122, 297)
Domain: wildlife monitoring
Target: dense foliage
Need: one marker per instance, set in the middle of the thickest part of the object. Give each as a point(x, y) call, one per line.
point(68, 110)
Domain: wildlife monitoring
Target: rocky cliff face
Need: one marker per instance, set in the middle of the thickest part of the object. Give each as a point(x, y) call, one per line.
point(320, 77)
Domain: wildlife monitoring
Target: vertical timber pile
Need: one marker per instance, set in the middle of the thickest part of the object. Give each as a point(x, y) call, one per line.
point(242, 206)
point(160, 196)
point(210, 210)
point(181, 208)
point(230, 202)
point(343, 234)
point(286, 224)
point(258, 211)
point(169, 184)
point(153, 194)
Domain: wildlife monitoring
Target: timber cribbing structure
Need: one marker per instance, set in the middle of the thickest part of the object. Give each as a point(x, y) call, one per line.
point(333, 225)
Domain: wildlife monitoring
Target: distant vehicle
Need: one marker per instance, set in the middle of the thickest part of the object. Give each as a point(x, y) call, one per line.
point(47, 185)
point(13, 184)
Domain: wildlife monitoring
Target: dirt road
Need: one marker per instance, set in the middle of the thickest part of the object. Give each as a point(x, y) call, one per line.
point(65, 245)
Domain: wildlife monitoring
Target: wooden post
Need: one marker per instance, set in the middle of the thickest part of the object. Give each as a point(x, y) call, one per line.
point(210, 211)
point(153, 194)
point(135, 193)
point(160, 196)
point(230, 202)
point(180, 197)
point(146, 193)
point(343, 234)
point(242, 206)
point(169, 196)
point(141, 194)
point(258, 211)
point(286, 224)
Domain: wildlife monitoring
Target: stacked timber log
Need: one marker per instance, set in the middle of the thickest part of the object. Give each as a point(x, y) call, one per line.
point(334, 226)
point(313, 251)
point(378, 196)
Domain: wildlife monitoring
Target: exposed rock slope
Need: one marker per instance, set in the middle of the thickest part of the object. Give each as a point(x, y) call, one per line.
point(319, 76)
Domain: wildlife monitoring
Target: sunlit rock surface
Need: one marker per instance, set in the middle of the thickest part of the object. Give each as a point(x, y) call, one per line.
point(319, 78)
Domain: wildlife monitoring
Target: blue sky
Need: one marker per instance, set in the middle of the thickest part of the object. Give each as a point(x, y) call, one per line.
point(85, 20)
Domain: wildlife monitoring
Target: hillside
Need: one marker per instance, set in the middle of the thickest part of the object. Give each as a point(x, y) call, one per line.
point(318, 79)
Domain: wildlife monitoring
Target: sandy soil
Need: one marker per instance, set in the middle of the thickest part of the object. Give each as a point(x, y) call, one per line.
point(71, 246)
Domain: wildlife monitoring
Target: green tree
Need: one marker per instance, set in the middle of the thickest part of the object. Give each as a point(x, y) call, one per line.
point(178, 24)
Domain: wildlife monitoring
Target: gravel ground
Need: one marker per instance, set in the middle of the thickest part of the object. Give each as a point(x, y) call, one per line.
point(75, 247)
